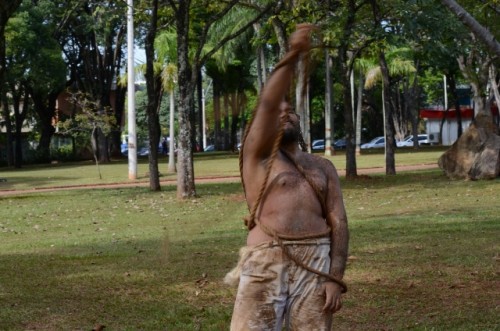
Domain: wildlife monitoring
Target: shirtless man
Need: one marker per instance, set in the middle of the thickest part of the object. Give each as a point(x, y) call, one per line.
point(300, 219)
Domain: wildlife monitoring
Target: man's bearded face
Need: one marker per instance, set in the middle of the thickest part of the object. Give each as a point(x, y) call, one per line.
point(291, 124)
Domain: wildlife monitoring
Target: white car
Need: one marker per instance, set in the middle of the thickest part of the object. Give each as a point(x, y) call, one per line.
point(378, 142)
point(318, 144)
point(423, 139)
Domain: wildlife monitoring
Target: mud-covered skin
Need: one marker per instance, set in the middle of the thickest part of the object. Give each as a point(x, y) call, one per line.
point(302, 199)
point(274, 292)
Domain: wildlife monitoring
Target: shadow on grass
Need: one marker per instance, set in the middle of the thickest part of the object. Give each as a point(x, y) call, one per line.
point(33, 182)
point(408, 279)
point(125, 285)
point(414, 265)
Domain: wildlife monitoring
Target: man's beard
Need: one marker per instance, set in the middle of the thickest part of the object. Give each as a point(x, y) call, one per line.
point(290, 135)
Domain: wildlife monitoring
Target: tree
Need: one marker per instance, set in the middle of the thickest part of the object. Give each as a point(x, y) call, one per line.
point(165, 45)
point(90, 120)
point(184, 12)
point(346, 61)
point(362, 65)
point(438, 39)
point(36, 63)
point(92, 35)
point(474, 26)
point(475, 67)
point(7, 9)
point(390, 162)
point(232, 69)
point(154, 91)
point(169, 79)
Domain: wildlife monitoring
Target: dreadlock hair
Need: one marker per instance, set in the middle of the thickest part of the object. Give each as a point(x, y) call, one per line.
point(302, 143)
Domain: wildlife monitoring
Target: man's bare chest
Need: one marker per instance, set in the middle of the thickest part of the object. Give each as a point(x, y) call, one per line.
point(299, 177)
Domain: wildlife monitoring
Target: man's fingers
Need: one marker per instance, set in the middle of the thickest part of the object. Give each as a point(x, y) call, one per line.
point(328, 301)
point(327, 307)
point(332, 305)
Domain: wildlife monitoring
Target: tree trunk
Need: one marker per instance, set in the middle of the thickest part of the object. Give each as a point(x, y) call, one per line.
point(8, 131)
point(120, 95)
point(45, 115)
point(185, 175)
point(302, 102)
point(19, 117)
point(171, 147)
point(199, 81)
point(261, 61)
point(456, 102)
point(351, 167)
point(103, 146)
point(235, 118)
point(7, 9)
point(476, 70)
point(226, 121)
point(390, 162)
point(412, 102)
point(153, 86)
point(280, 32)
point(399, 116)
point(359, 112)
point(494, 87)
point(217, 115)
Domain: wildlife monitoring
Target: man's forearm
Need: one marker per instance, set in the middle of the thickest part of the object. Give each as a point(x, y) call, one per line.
point(279, 83)
point(339, 248)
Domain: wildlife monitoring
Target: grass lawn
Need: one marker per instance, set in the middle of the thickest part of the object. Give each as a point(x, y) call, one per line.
point(424, 254)
point(217, 164)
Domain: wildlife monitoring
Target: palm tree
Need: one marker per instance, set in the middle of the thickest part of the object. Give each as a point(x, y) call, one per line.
point(361, 65)
point(169, 80)
point(167, 55)
point(391, 63)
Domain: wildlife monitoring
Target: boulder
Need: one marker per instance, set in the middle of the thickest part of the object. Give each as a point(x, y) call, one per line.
point(476, 154)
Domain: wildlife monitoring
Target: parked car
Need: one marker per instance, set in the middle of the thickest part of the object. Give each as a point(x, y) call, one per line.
point(318, 144)
point(340, 144)
point(144, 151)
point(378, 142)
point(423, 139)
point(209, 148)
point(124, 149)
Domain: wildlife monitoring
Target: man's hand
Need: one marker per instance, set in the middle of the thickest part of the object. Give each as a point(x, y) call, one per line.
point(333, 297)
point(300, 40)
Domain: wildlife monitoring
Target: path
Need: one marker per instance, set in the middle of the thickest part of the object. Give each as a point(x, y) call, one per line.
point(227, 179)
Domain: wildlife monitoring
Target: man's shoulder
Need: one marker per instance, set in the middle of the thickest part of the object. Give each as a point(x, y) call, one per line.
point(318, 161)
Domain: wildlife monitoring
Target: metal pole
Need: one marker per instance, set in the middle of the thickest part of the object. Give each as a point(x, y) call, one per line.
point(132, 136)
point(445, 90)
point(204, 120)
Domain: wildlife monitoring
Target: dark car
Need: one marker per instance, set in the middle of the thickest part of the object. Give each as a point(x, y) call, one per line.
point(340, 144)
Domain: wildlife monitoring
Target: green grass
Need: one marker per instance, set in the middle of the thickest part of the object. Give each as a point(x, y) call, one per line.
point(424, 255)
point(216, 164)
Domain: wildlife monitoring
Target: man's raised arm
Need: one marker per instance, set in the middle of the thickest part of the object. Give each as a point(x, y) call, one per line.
point(266, 123)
